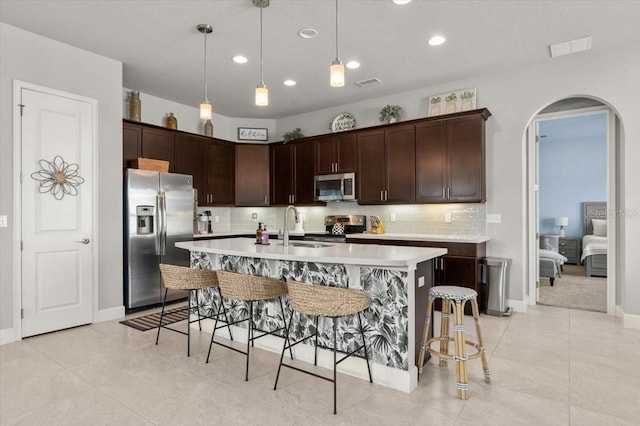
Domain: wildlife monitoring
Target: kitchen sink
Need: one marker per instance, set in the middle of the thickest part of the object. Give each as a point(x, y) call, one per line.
point(308, 244)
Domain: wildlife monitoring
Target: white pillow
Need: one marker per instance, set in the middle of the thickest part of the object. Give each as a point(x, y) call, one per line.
point(599, 227)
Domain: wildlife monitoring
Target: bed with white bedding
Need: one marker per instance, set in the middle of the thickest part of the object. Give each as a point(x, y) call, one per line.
point(594, 242)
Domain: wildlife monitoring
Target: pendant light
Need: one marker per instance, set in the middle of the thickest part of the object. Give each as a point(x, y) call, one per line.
point(262, 93)
point(336, 71)
point(205, 106)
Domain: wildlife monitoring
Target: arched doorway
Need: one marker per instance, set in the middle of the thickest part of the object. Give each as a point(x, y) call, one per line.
point(568, 107)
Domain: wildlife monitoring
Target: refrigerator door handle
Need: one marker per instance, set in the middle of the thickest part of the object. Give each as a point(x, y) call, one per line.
point(159, 223)
point(163, 229)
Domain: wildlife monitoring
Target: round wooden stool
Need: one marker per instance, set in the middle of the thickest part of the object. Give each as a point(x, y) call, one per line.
point(459, 296)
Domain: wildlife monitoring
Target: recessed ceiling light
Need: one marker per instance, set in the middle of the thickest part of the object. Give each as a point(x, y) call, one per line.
point(308, 33)
point(289, 82)
point(239, 59)
point(401, 2)
point(437, 40)
point(352, 65)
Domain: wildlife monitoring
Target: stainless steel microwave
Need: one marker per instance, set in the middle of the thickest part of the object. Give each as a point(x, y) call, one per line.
point(339, 187)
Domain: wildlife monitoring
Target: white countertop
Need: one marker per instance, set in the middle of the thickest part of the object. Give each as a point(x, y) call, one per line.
point(237, 233)
point(423, 237)
point(340, 253)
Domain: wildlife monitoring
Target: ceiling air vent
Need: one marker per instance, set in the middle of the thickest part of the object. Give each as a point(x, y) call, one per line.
point(368, 82)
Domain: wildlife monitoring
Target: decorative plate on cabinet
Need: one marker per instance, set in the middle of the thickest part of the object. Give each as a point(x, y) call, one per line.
point(343, 121)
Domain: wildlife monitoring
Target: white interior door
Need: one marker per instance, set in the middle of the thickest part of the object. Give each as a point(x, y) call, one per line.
point(57, 269)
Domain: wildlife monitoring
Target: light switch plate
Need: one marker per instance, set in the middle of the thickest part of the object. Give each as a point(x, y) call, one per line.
point(392, 217)
point(254, 217)
point(421, 281)
point(447, 217)
point(217, 219)
point(3, 221)
point(494, 218)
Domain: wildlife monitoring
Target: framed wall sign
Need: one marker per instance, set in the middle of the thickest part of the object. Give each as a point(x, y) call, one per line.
point(252, 134)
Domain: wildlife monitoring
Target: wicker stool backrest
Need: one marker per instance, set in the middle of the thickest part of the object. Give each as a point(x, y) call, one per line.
point(183, 278)
point(249, 287)
point(317, 300)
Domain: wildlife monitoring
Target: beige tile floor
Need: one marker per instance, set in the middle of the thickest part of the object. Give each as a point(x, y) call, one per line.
point(549, 366)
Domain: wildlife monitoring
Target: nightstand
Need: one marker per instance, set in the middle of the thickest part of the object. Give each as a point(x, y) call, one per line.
point(571, 248)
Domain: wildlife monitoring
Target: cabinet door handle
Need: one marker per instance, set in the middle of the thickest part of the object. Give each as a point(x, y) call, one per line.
point(444, 196)
point(448, 192)
point(386, 195)
point(265, 200)
point(381, 197)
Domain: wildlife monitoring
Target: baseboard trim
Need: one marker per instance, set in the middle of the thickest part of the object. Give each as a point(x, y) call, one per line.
point(631, 321)
point(517, 305)
point(7, 335)
point(109, 314)
point(619, 313)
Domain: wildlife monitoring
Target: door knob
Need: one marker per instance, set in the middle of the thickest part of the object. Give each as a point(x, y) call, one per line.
point(83, 241)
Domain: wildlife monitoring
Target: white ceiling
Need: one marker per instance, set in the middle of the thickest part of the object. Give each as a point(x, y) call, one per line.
point(162, 51)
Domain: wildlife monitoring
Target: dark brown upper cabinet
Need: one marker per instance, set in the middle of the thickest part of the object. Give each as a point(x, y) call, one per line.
point(222, 173)
point(211, 163)
point(159, 144)
point(450, 159)
point(386, 165)
point(292, 172)
point(192, 158)
point(252, 175)
point(131, 143)
point(336, 153)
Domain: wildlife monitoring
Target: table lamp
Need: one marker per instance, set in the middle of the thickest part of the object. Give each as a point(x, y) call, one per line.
point(562, 222)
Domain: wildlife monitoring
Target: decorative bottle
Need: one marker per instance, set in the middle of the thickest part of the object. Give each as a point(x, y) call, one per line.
point(172, 122)
point(259, 233)
point(265, 235)
point(134, 105)
point(208, 128)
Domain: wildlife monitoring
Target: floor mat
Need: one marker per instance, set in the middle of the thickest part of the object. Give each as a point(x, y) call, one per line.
point(151, 321)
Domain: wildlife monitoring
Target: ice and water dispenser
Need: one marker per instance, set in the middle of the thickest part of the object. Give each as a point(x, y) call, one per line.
point(144, 218)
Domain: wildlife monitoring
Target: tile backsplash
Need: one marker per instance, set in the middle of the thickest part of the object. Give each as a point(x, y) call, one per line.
point(466, 219)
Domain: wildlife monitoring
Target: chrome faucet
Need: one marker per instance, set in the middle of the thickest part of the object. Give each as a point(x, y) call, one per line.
point(285, 239)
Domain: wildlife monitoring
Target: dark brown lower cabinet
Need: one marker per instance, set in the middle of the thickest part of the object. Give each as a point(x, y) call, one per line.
point(460, 266)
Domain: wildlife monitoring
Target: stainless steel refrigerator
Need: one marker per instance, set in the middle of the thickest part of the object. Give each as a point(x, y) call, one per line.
point(158, 212)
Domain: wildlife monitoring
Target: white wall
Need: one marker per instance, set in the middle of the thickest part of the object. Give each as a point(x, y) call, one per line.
point(514, 97)
point(34, 59)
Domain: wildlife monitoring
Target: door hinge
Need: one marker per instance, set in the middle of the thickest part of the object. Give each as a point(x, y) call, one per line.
point(21, 313)
point(21, 109)
point(21, 245)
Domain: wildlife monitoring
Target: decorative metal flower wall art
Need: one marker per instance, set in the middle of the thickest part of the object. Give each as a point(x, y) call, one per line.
point(58, 177)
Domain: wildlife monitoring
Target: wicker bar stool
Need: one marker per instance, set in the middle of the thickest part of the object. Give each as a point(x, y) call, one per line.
point(249, 288)
point(329, 302)
point(183, 278)
point(454, 299)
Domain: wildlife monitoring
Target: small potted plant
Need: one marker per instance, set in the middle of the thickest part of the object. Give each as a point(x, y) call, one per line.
point(434, 108)
point(293, 135)
point(390, 113)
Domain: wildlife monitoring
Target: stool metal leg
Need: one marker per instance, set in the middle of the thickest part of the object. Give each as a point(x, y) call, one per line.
point(364, 343)
point(483, 356)
point(334, 368)
point(249, 340)
point(315, 348)
point(425, 336)
point(164, 299)
point(189, 324)
point(286, 327)
point(198, 310)
point(462, 384)
point(444, 331)
point(284, 348)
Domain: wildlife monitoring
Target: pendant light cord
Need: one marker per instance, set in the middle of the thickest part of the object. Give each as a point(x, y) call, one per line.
point(261, 66)
point(337, 55)
point(206, 100)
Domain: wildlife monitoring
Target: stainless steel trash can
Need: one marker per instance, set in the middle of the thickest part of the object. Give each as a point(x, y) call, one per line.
point(497, 278)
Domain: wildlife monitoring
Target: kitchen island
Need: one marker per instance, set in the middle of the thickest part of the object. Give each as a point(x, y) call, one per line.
point(396, 278)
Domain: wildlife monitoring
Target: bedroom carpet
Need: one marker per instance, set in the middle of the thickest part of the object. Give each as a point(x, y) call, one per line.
point(575, 291)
